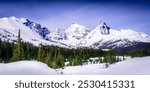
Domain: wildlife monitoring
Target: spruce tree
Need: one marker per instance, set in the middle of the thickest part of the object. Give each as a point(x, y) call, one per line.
point(60, 60)
point(49, 60)
point(40, 53)
point(18, 52)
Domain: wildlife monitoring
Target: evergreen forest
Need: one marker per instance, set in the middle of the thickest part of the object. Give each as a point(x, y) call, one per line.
point(55, 57)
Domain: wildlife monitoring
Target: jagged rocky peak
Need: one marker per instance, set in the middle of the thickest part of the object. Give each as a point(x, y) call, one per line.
point(104, 28)
point(42, 31)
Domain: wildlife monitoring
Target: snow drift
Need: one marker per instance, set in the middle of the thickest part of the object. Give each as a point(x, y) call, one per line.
point(26, 68)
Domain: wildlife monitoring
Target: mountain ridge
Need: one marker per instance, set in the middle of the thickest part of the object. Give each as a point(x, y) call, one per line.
point(76, 36)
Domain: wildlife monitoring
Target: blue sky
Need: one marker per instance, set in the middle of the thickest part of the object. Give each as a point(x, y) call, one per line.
point(118, 14)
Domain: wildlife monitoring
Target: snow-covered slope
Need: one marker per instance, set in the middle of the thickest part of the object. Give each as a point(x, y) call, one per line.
point(77, 31)
point(128, 67)
point(103, 36)
point(57, 34)
point(75, 35)
point(30, 32)
point(42, 31)
point(70, 36)
point(26, 68)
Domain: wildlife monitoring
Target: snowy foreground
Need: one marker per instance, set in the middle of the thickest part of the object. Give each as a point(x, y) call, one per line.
point(127, 67)
point(26, 68)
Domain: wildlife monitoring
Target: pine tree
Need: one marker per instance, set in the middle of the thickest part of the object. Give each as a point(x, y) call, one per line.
point(110, 57)
point(18, 52)
point(49, 60)
point(40, 53)
point(60, 60)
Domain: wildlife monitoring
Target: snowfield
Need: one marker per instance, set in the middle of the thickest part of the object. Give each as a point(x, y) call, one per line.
point(26, 68)
point(135, 66)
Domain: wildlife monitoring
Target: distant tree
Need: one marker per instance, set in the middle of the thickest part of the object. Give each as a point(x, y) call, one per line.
point(49, 60)
point(60, 60)
point(100, 60)
point(110, 57)
point(40, 53)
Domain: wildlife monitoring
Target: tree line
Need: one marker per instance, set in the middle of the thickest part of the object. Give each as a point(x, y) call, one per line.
point(55, 56)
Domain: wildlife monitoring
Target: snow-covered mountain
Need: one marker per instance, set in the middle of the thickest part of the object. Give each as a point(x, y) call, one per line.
point(42, 31)
point(30, 32)
point(77, 31)
point(70, 36)
point(57, 34)
point(75, 35)
point(104, 37)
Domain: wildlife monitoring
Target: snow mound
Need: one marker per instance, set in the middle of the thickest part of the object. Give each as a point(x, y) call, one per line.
point(136, 66)
point(26, 68)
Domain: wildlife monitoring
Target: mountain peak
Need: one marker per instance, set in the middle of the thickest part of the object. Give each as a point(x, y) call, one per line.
point(77, 31)
point(12, 17)
point(76, 25)
point(74, 22)
point(23, 20)
point(75, 35)
point(9, 18)
point(104, 28)
point(102, 22)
